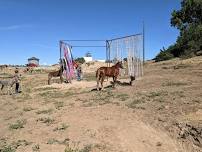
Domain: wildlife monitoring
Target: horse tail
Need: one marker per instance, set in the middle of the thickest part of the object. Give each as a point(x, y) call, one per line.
point(97, 77)
point(97, 73)
point(49, 78)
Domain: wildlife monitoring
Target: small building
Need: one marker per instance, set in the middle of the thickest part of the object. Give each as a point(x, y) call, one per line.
point(33, 61)
point(88, 57)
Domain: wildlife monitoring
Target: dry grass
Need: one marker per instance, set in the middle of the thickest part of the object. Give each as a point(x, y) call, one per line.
point(18, 125)
point(169, 93)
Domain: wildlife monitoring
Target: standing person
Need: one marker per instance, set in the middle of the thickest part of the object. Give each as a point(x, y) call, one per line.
point(79, 72)
point(17, 81)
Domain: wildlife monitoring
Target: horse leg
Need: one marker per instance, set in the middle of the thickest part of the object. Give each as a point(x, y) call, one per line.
point(113, 85)
point(98, 79)
point(102, 80)
point(2, 87)
point(9, 90)
point(49, 79)
point(61, 78)
point(114, 79)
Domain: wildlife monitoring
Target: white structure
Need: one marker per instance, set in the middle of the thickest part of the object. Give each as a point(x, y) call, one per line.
point(88, 59)
point(99, 60)
point(33, 60)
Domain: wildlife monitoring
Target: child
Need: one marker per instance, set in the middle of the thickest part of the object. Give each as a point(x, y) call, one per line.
point(79, 72)
point(17, 81)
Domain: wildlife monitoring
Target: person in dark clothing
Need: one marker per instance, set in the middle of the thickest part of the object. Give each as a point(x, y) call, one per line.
point(17, 81)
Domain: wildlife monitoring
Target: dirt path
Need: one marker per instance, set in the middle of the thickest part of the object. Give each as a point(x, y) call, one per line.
point(107, 128)
point(118, 129)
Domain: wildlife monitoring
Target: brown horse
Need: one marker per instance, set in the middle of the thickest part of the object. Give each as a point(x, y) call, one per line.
point(103, 72)
point(57, 73)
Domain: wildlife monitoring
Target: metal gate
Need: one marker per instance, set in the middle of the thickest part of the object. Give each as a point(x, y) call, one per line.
point(129, 50)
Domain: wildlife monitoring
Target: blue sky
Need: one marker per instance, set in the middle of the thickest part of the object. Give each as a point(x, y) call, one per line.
point(34, 27)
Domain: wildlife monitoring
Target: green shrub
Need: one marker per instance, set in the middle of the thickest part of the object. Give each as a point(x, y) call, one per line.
point(164, 55)
point(80, 60)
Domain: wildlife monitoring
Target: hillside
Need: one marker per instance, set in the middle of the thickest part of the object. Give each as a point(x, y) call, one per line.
point(161, 112)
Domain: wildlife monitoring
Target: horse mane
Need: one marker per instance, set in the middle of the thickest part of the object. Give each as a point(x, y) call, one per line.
point(115, 65)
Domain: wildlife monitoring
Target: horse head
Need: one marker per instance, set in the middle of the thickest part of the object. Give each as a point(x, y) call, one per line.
point(119, 64)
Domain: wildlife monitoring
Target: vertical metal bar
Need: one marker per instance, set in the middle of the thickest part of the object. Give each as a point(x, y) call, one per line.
point(60, 44)
point(143, 43)
point(109, 53)
point(106, 52)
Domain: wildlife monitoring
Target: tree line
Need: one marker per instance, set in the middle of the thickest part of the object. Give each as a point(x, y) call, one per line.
point(188, 20)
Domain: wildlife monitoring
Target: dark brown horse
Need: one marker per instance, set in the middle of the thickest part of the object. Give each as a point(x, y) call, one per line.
point(57, 73)
point(103, 72)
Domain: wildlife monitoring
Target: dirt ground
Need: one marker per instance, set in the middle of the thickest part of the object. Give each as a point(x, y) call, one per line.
point(161, 112)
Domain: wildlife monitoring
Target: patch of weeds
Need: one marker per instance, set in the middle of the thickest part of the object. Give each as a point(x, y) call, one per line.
point(153, 94)
point(100, 147)
point(21, 100)
point(36, 147)
point(52, 141)
point(27, 109)
point(181, 66)
point(69, 93)
point(45, 89)
point(103, 97)
point(171, 83)
point(52, 94)
point(134, 103)
point(20, 143)
point(72, 92)
point(69, 149)
point(65, 142)
point(71, 104)
point(116, 103)
point(157, 94)
point(196, 100)
point(6, 74)
point(45, 120)
point(86, 148)
point(88, 104)
point(90, 77)
point(122, 97)
point(21, 113)
point(61, 127)
point(28, 90)
point(2, 142)
point(55, 141)
point(83, 100)
point(178, 93)
point(59, 105)
point(48, 111)
point(7, 148)
point(18, 125)
point(161, 107)
point(23, 97)
point(160, 99)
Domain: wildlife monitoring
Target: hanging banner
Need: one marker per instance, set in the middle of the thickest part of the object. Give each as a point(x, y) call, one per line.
point(68, 62)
